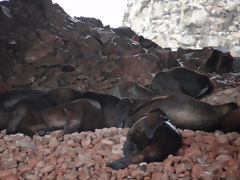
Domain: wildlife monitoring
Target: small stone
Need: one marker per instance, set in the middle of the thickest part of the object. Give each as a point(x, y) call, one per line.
point(188, 133)
point(30, 176)
point(188, 141)
point(53, 143)
point(237, 141)
point(57, 134)
point(197, 169)
point(71, 175)
point(47, 168)
point(209, 139)
point(106, 141)
point(11, 177)
point(10, 163)
point(156, 176)
point(223, 157)
point(193, 152)
point(179, 168)
point(222, 139)
point(122, 173)
point(34, 161)
point(85, 142)
point(24, 169)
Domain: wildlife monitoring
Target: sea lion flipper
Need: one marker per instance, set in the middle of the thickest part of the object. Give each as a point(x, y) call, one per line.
point(47, 130)
point(120, 163)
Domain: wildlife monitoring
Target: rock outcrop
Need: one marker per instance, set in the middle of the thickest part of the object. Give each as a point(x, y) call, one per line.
point(189, 24)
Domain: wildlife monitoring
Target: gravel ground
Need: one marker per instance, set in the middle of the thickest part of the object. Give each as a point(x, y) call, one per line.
point(85, 155)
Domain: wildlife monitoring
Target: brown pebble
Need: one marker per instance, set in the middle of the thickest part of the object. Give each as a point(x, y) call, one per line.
point(188, 133)
point(223, 157)
point(11, 177)
point(57, 134)
point(222, 139)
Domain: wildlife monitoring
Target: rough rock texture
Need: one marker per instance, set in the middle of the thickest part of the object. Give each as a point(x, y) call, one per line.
point(187, 23)
point(85, 155)
point(44, 48)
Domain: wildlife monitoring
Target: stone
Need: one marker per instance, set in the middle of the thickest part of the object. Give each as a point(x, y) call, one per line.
point(10, 177)
point(223, 157)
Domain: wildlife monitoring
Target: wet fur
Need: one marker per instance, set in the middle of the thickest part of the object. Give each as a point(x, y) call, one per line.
point(79, 115)
point(181, 80)
point(186, 112)
point(151, 138)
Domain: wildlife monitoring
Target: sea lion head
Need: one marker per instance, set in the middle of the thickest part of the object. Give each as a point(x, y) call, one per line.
point(137, 135)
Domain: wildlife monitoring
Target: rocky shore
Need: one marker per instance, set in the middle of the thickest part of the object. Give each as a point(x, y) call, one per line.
point(85, 155)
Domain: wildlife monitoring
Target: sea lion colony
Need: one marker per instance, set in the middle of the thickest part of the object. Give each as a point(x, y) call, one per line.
point(151, 114)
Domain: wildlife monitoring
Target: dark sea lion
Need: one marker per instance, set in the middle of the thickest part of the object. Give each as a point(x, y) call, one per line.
point(114, 111)
point(9, 98)
point(32, 104)
point(129, 89)
point(22, 108)
point(62, 95)
point(151, 138)
point(187, 112)
point(231, 121)
point(3, 118)
point(79, 115)
point(181, 80)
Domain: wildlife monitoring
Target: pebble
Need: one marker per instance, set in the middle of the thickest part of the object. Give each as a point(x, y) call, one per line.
point(86, 154)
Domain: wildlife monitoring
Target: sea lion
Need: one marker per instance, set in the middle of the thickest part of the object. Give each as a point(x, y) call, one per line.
point(181, 80)
point(187, 112)
point(151, 138)
point(61, 95)
point(22, 108)
point(3, 118)
point(114, 111)
point(32, 104)
point(79, 115)
point(9, 98)
point(231, 121)
point(129, 89)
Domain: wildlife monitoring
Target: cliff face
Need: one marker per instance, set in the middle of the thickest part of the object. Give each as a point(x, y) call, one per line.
point(187, 23)
point(43, 47)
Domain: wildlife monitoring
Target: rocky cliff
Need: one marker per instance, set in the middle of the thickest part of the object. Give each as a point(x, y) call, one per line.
point(187, 23)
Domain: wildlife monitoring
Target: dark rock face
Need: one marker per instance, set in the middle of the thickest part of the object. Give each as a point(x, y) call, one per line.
point(42, 47)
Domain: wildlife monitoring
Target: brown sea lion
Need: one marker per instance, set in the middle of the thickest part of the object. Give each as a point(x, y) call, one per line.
point(129, 89)
point(32, 104)
point(79, 115)
point(3, 118)
point(231, 121)
point(61, 95)
point(181, 80)
point(151, 138)
point(115, 111)
point(9, 98)
point(22, 108)
point(187, 112)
